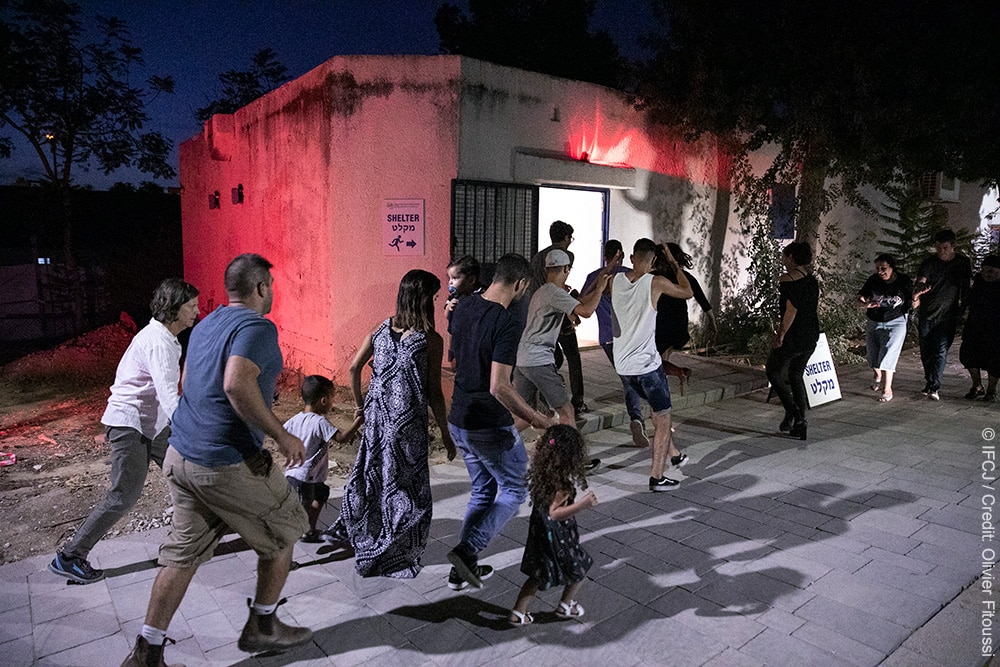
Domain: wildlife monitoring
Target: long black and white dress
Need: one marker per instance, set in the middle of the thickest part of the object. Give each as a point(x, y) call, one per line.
point(387, 501)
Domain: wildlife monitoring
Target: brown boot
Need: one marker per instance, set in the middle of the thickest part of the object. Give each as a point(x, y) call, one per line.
point(267, 633)
point(144, 655)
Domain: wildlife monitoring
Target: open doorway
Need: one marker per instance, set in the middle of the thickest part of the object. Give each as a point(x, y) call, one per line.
point(587, 211)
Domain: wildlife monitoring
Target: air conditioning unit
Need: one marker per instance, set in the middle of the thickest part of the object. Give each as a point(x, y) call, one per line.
point(939, 187)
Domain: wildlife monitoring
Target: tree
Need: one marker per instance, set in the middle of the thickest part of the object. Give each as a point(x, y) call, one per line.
point(73, 100)
point(548, 36)
point(862, 92)
point(240, 88)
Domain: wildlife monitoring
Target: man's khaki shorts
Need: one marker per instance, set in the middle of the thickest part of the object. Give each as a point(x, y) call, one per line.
point(264, 511)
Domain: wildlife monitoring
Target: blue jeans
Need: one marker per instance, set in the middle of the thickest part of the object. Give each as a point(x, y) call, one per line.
point(935, 340)
point(498, 467)
point(632, 405)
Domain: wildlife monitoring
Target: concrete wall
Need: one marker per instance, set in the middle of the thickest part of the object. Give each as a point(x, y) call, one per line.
point(672, 190)
point(316, 159)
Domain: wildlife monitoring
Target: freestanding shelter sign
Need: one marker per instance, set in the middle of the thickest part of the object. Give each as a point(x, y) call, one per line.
point(821, 375)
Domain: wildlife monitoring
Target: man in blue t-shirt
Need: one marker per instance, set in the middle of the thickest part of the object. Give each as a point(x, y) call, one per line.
point(218, 472)
point(484, 337)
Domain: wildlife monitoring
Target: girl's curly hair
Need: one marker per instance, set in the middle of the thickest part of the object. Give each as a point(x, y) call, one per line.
point(558, 464)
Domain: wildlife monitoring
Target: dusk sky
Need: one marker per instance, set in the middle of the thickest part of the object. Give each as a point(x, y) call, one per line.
point(195, 40)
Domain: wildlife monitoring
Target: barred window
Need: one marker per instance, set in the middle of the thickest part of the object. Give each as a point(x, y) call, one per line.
point(489, 220)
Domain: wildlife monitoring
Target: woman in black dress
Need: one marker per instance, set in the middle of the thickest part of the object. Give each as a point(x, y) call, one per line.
point(796, 337)
point(672, 326)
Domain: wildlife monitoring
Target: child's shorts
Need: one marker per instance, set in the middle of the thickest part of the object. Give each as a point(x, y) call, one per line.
point(310, 492)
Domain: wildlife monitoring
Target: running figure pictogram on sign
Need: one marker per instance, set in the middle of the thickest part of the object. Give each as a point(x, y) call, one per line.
point(403, 227)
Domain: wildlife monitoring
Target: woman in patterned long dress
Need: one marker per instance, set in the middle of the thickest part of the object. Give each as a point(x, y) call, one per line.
point(387, 502)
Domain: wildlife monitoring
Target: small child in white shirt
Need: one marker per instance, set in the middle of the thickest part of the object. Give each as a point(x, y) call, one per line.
point(316, 433)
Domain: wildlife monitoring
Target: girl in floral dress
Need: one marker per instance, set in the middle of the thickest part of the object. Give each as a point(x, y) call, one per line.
point(552, 554)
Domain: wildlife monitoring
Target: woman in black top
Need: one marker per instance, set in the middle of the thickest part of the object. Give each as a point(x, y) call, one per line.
point(795, 338)
point(886, 297)
point(672, 314)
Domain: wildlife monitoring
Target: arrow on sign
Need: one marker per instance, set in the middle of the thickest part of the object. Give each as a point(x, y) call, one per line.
point(411, 244)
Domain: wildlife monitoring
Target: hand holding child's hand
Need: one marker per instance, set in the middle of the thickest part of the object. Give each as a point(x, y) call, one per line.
point(588, 499)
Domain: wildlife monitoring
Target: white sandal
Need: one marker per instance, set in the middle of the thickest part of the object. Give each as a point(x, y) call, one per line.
point(571, 609)
point(522, 619)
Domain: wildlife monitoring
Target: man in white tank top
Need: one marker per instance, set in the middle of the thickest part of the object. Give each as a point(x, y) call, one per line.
point(633, 319)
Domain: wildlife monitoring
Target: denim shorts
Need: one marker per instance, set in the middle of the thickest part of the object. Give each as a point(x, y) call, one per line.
point(652, 386)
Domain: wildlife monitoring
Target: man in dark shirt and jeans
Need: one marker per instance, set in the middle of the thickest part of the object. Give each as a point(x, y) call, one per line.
point(939, 295)
point(484, 338)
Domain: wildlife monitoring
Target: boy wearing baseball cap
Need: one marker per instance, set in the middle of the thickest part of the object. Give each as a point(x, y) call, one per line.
point(536, 367)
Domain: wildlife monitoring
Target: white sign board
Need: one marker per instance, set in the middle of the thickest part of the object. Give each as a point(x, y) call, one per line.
point(821, 376)
point(402, 227)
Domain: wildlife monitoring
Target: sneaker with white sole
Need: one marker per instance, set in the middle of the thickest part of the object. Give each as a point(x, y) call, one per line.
point(466, 569)
point(662, 484)
point(679, 460)
point(457, 583)
point(934, 396)
point(75, 569)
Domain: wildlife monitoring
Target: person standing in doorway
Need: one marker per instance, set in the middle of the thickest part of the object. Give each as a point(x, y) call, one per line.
point(485, 334)
point(143, 399)
point(633, 298)
point(561, 235)
point(219, 475)
point(940, 293)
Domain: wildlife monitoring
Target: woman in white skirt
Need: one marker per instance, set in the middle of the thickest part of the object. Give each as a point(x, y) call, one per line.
point(886, 297)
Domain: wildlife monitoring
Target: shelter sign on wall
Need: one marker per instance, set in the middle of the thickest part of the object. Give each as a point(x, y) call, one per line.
point(402, 227)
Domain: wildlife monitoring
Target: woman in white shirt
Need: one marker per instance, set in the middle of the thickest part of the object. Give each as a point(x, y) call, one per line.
point(143, 399)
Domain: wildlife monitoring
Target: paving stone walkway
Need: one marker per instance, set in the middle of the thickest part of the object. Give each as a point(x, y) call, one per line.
point(852, 548)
